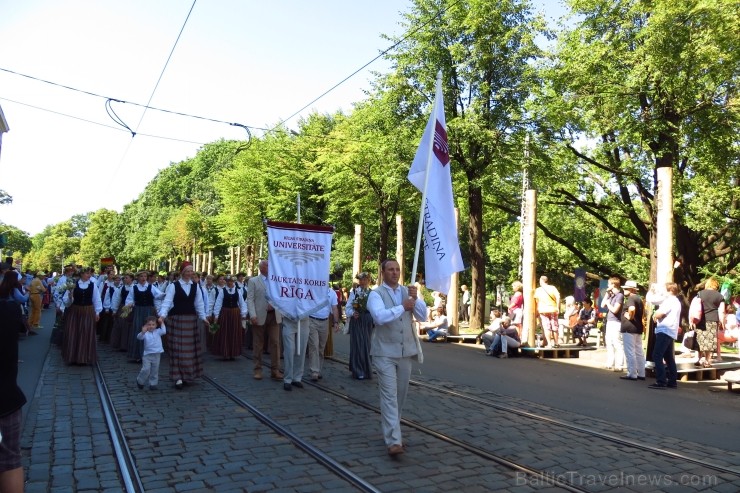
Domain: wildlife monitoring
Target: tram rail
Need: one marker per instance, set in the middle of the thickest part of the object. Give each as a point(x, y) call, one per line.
point(126, 464)
point(576, 429)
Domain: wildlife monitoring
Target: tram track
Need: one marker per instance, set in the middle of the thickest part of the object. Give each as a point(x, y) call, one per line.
point(126, 464)
point(228, 381)
point(126, 459)
point(512, 466)
point(562, 424)
point(322, 458)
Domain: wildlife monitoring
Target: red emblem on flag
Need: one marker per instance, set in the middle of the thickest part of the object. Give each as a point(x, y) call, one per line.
point(441, 150)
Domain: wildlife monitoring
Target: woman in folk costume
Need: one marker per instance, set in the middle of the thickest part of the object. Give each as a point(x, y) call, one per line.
point(107, 289)
point(183, 307)
point(83, 307)
point(122, 321)
point(230, 309)
point(360, 329)
point(141, 298)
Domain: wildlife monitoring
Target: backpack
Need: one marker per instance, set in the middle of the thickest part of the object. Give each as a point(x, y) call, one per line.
point(696, 311)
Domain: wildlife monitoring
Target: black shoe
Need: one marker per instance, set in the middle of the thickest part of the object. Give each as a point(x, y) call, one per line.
point(641, 378)
point(287, 386)
point(672, 386)
point(625, 377)
point(658, 386)
point(141, 387)
point(179, 385)
point(297, 384)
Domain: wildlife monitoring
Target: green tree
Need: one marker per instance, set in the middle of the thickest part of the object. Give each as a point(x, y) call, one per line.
point(485, 51)
point(99, 240)
point(650, 85)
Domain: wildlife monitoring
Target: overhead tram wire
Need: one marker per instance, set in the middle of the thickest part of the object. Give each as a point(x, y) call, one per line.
point(382, 53)
point(151, 96)
point(118, 129)
point(187, 115)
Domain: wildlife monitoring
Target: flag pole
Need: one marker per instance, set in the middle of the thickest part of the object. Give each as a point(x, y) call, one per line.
point(438, 90)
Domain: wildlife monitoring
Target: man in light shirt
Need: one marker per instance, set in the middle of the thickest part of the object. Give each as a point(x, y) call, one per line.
point(394, 346)
point(667, 319)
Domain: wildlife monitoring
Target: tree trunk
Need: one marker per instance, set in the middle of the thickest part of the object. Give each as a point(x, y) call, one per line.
point(477, 257)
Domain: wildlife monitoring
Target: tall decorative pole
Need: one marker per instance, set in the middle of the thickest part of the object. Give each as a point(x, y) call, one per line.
point(357, 252)
point(523, 211)
point(399, 247)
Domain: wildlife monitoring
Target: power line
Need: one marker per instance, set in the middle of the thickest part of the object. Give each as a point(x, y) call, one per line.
point(117, 129)
point(382, 53)
point(161, 74)
point(116, 100)
point(151, 96)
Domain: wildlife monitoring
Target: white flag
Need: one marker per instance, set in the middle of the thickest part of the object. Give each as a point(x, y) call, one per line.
point(442, 256)
point(298, 279)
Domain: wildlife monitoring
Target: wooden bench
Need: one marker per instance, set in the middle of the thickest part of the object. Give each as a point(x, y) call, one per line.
point(688, 372)
point(554, 353)
point(465, 338)
point(731, 377)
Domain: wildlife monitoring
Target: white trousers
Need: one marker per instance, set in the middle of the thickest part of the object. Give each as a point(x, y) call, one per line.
point(634, 355)
point(149, 370)
point(318, 334)
point(393, 383)
point(294, 349)
point(614, 347)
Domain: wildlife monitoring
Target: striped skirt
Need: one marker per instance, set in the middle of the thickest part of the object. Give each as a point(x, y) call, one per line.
point(79, 346)
point(230, 336)
point(184, 343)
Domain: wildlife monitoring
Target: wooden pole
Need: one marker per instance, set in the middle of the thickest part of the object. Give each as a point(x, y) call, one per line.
point(250, 259)
point(453, 296)
point(238, 259)
point(664, 225)
point(529, 264)
point(357, 252)
point(210, 261)
point(399, 247)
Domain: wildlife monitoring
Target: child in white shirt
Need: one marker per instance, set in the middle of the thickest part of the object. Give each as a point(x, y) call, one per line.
point(152, 337)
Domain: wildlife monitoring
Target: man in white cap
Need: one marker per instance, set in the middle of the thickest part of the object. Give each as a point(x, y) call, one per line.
point(632, 329)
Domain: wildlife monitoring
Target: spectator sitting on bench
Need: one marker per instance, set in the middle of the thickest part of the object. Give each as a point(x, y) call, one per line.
point(437, 327)
point(506, 337)
point(586, 321)
point(486, 335)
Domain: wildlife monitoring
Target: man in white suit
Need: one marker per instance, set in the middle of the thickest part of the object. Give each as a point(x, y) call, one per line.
point(265, 323)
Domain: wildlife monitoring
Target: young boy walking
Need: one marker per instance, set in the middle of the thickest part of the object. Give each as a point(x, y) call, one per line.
point(152, 337)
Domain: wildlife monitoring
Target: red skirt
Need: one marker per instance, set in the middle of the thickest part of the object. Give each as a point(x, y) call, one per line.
point(229, 339)
point(79, 345)
point(184, 348)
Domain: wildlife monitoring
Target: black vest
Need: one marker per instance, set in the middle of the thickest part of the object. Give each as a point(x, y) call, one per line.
point(83, 297)
point(183, 304)
point(124, 294)
point(143, 298)
point(231, 300)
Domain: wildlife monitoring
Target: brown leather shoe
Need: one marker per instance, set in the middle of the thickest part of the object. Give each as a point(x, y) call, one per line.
point(395, 449)
point(258, 374)
point(277, 375)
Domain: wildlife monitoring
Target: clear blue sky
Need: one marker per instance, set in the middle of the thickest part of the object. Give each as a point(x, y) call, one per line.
point(244, 61)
